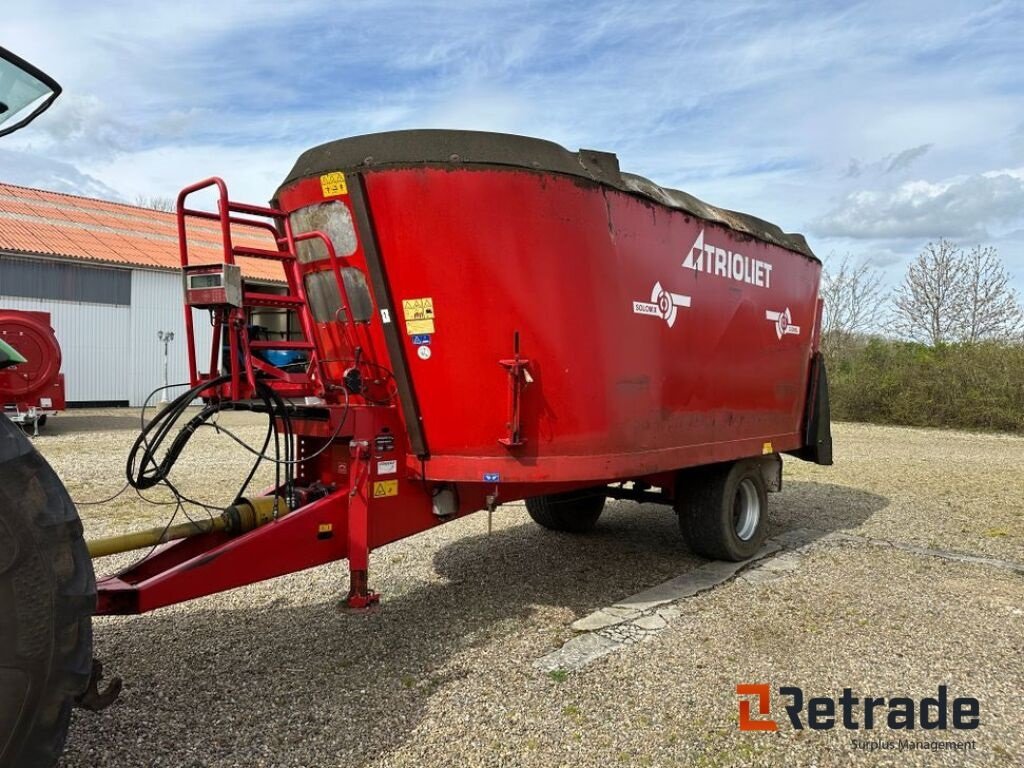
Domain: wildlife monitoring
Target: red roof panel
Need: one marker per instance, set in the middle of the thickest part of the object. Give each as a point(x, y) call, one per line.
point(36, 221)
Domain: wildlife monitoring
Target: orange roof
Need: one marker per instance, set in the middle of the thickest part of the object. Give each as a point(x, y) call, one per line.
point(38, 222)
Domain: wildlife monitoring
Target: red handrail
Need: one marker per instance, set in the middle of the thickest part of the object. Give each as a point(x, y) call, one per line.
point(287, 253)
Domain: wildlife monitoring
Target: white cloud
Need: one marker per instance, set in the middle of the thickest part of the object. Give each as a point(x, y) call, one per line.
point(920, 209)
point(753, 106)
point(30, 169)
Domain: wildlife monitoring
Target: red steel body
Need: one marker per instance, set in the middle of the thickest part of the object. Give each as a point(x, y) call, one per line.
point(36, 385)
point(615, 393)
point(517, 332)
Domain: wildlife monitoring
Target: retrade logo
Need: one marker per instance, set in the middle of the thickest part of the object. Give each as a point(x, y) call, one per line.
point(762, 694)
point(823, 713)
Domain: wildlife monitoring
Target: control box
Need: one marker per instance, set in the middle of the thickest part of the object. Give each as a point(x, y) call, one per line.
point(213, 285)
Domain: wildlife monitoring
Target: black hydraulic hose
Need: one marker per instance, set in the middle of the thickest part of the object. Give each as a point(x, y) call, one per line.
point(147, 472)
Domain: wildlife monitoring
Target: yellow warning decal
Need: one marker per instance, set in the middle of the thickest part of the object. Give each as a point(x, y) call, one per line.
point(767, 448)
point(324, 528)
point(382, 488)
point(416, 327)
point(333, 184)
point(418, 309)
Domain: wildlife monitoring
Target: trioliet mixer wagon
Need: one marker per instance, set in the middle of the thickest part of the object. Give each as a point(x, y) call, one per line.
point(484, 318)
point(33, 390)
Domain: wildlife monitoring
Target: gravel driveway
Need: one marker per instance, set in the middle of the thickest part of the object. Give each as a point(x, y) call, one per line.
point(442, 672)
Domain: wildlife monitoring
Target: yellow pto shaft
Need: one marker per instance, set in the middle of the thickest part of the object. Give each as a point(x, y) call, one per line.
point(239, 518)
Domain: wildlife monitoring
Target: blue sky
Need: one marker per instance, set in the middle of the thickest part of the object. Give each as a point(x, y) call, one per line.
point(871, 127)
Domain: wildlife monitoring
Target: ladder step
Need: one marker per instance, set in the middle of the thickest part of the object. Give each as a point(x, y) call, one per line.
point(280, 345)
point(272, 300)
point(262, 253)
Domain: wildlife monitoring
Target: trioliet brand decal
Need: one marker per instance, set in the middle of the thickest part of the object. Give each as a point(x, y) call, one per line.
point(783, 322)
point(705, 257)
point(663, 304)
point(333, 184)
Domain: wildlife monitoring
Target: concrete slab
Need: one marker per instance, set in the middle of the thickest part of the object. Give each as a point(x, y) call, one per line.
point(577, 652)
point(688, 584)
point(605, 617)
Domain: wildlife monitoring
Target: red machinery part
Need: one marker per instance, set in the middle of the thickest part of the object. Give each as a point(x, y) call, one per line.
point(484, 327)
point(38, 382)
point(639, 362)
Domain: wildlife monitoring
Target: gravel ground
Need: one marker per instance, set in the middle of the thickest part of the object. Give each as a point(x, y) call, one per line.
point(442, 672)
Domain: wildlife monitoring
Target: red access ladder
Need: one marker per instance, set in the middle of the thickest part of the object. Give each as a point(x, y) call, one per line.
point(245, 368)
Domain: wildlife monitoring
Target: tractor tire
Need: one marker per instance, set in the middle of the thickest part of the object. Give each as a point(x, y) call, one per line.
point(47, 598)
point(723, 510)
point(570, 512)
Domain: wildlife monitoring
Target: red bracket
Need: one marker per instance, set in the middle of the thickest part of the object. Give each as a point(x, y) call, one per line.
point(518, 377)
point(359, 594)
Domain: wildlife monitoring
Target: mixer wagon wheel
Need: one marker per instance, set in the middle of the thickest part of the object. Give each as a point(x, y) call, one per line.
point(571, 512)
point(47, 597)
point(723, 509)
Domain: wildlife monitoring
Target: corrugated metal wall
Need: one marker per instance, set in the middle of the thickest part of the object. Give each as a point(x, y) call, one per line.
point(112, 353)
point(157, 306)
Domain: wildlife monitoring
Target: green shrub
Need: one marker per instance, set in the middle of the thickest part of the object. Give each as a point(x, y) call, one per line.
point(966, 386)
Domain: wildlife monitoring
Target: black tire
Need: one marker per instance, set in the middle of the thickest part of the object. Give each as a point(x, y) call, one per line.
point(714, 516)
point(570, 512)
point(47, 598)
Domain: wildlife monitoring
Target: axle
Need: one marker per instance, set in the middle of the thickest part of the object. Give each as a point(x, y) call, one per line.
point(237, 519)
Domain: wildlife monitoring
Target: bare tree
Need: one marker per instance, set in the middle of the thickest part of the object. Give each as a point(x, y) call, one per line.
point(991, 308)
point(156, 203)
point(854, 302)
point(952, 295)
point(930, 302)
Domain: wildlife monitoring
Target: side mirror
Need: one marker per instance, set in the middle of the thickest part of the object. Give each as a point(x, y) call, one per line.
point(25, 92)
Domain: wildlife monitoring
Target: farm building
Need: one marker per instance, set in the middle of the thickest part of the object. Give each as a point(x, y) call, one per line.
point(108, 275)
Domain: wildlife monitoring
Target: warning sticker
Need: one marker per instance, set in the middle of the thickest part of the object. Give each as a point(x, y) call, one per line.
point(382, 488)
point(388, 467)
point(333, 184)
point(418, 309)
point(414, 327)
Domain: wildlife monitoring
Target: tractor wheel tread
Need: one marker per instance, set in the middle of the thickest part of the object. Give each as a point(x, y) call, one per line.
point(49, 590)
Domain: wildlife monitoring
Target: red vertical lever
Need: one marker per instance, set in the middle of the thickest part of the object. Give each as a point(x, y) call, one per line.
point(518, 377)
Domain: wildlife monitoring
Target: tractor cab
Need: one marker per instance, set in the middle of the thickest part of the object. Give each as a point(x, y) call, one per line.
point(25, 92)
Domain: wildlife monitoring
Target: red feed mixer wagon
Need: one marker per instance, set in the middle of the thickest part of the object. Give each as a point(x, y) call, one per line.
point(33, 390)
point(484, 318)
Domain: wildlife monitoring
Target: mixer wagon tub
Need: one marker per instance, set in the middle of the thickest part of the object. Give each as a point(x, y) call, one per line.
point(481, 318)
point(33, 389)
